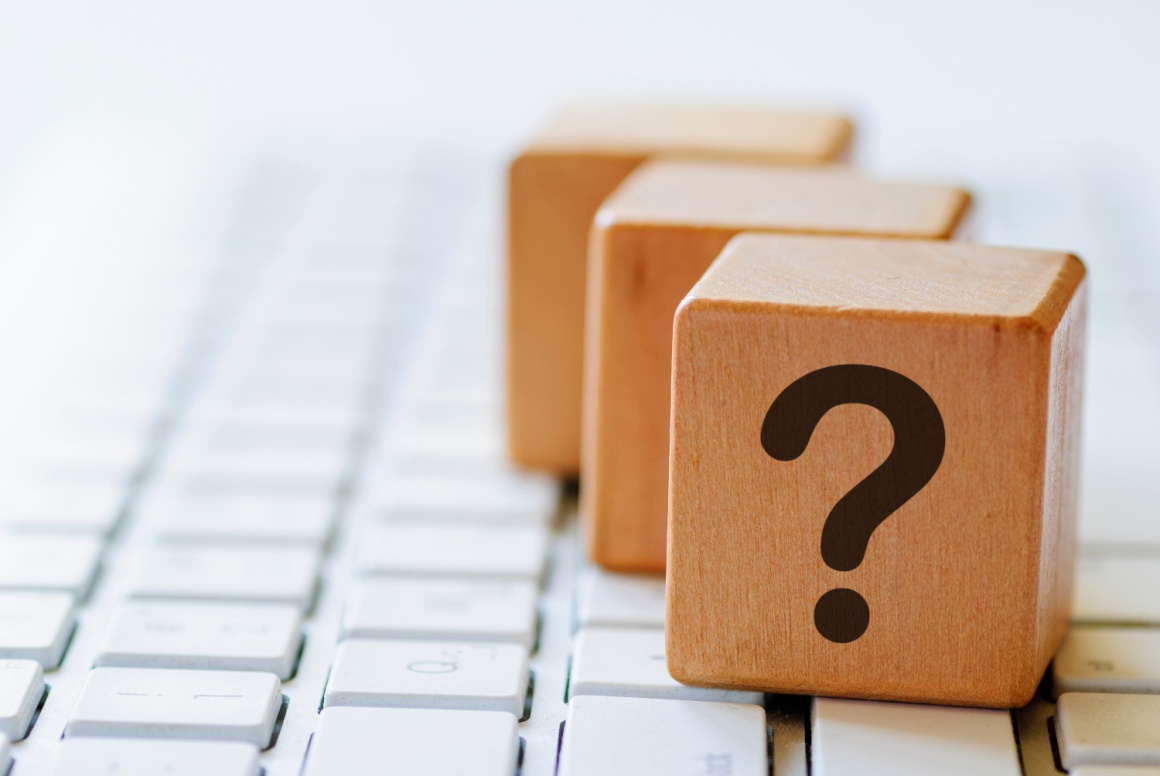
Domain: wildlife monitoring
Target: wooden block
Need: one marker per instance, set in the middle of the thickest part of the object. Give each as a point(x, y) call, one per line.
point(556, 184)
point(875, 451)
point(653, 239)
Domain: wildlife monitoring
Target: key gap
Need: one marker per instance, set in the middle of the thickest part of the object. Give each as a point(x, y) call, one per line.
point(36, 713)
point(520, 757)
point(531, 691)
point(1054, 745)
point(559, 747)
point(297, 659)
point(68, 642)
point(278, 722)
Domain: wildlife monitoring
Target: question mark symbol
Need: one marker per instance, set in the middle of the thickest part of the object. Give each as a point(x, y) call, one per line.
point(842, 615)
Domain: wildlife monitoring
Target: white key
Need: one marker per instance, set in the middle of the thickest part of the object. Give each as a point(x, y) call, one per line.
point(650, 737)
point(1107, 729)
point(144, 757)
point(429, 675)
point(448, 451)
point(630, 662)
point(43, 562)
point(635, 600)
point(5, 754)
point(21, 688)
point(1113, 770)
point(1117, 589)
point(35, 626)
point(246, 518)
point(298, 470)
point(434, 609)
point(219, 573)
point(234, 637)
point(498, 499)
point(84, 507)
point(408, 549)
point(114, 458)
point(432, 742)
point(161, 703)
point(903, 739)
point(1099, 659)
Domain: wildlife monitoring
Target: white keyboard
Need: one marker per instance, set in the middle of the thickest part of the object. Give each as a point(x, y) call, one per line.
point(256, 516)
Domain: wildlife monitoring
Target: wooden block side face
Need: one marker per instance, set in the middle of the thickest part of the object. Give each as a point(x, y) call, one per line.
point(1060, 496)
point(552, 200)
point(640, 276)
point(706, 131)
point(951, 578)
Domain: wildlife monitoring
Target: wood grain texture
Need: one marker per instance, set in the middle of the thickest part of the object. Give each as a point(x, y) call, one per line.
point(969, 581)
point(555, 187)
point(653, 239)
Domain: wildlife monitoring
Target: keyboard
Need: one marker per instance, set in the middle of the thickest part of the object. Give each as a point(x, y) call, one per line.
point(256, 515)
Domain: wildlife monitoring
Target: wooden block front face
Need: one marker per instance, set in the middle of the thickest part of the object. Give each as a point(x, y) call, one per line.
point(653, 240)
point(874, 469)
point(555, 188)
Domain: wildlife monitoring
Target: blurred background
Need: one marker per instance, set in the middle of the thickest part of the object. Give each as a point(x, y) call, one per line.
point(1049, 111)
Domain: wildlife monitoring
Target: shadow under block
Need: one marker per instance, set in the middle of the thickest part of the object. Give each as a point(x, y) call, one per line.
point(653, 240)
point(801, 367)
point(555, 188)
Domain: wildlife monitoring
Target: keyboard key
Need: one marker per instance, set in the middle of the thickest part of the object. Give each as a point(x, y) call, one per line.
point(631, 662)
point(635, 600)
point(161, 703)
point(650, 737)
point(5, 754)
point(218, 573)
point(35, 626)
point(432, 742)
point(1107, 729)
point(498, 499)
point(21, 688)
point(40, 562)
point(429, 675)
point(234, 637)
point(451, 452)
point(1098, 659)
point(246, 519)
point(433, 609)
point(1113, 770)
point(407, 549)
point(903, 739)
point(101, 757)
point(302, 471)
point(1117, 589)
point(76, 507)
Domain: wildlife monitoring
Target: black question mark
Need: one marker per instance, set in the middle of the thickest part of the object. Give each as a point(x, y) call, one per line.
point(842, 615)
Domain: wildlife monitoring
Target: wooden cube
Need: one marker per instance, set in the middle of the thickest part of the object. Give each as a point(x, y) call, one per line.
point(875, 452)
point(556, 185)
point(652, 241)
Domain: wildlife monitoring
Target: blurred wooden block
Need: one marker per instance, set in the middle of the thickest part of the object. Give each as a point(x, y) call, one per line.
point(556, 184)
point(874, 469)
point(653, 240)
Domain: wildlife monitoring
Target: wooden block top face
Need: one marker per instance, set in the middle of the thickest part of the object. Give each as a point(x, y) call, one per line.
point(730, 195)
point(701, 130)
point(802, 368)
point(932, 280)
